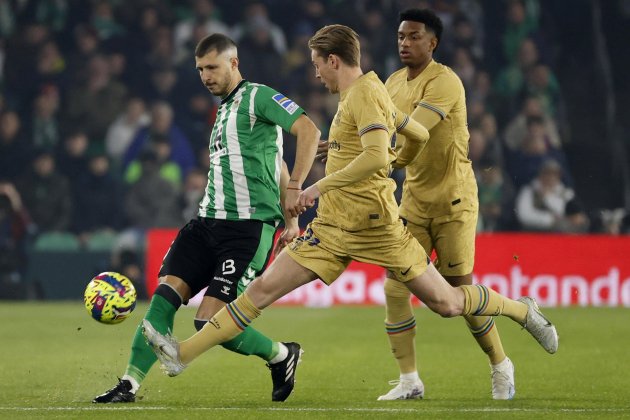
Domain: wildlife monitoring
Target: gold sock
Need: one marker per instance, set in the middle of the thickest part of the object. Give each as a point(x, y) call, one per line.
point(480, 300)
point(485, 332)
point(225, 325)
point(400, 325)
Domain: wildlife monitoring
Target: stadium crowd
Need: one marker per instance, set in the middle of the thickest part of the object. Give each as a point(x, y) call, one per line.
point(104, 124)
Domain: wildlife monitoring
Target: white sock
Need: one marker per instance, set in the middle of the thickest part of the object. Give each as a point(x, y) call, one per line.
point(500, 364)
point(283, 352)
point(410, 377)
point(135, 386)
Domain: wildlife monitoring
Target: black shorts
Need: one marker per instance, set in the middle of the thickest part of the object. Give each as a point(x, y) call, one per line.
point(223, 255)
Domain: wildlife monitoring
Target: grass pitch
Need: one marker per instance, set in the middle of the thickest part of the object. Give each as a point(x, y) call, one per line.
point(54, 359)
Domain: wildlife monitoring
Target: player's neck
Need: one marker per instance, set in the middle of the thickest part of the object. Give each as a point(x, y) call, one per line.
point(238, 79)
point(413, 72)
point(348, 77)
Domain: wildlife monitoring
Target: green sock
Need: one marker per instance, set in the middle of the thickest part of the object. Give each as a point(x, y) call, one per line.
point(252, 342)
point(161, 314)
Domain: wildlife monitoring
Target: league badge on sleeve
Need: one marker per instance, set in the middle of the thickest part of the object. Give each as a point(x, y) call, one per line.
point(285, 103)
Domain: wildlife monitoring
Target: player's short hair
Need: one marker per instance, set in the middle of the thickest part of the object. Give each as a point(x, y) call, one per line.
point(218, 42)
point(339, 40)
point(431, 21)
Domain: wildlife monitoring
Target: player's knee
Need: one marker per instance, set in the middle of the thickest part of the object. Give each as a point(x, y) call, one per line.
point(395, 290)
point(444, 306)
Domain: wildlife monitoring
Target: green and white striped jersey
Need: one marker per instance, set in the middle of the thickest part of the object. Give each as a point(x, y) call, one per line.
point(246, 154)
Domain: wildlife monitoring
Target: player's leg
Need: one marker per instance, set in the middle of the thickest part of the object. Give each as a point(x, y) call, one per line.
point(400, 325)
point(455, 247)
point(182, 275)
point(244, 251)
point(295, 266)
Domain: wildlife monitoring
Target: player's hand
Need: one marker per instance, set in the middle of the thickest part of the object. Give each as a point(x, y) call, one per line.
point(308, 196)
point(291, 207)
point(290, 232)
point(322, 151)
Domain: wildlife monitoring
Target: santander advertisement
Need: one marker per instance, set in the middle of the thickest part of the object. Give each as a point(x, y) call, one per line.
point(557, 270)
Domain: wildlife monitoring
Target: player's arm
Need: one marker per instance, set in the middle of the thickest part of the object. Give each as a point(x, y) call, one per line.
point(291, 226)
point(416, 136)
point(307, 136)
point(373, 157)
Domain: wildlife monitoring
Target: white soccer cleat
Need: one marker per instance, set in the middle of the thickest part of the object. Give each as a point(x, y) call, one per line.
point(503, 380)
point(165, 347)
point(404, 390)
point(540, 327)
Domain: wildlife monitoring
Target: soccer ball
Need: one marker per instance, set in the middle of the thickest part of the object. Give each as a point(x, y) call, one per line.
point(110, 297)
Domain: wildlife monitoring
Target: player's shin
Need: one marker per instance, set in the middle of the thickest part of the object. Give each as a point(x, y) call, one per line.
point(225, 325)
point(161, 314)
point(485, 332)
point(400, 325)
point(480, 300)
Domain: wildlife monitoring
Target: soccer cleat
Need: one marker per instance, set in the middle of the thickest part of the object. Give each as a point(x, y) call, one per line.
point(165, 347)
point(503, 380)
point(283, 373)
point(121, 393)
point(404, 390)
point(540, 327)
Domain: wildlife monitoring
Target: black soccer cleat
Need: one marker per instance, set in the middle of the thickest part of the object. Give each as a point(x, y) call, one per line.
point(121, 393)
point(283, 373)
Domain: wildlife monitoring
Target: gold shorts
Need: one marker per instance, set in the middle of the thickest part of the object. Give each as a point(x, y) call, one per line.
point(327, 250)
point(453, 238)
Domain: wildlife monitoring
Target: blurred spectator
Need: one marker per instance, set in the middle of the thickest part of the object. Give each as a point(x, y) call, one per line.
point(97, 199)
point(258, 55)
point(50, 65)
point(93, 105)
point(15, 225)
point(464, 66)
point(524, 163)
point(494, 145)
point(46, 194)
point(162, 125)
point(104, 22)
point(516, 130)
point(198, 120)
point(72, 159)
point(522, 21)
point(543, 84)
point(164, 86)
point(45, 123)
point(204, 16)
point(87, 45)
point(167, 169)
point(546, 204)
point(121, 132)
point(194, 190)
point(152, 201)
point(14, 149)
point(496, 197)
point(257, 23)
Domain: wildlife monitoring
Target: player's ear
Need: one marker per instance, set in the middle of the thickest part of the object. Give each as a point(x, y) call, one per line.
point(234, 62)
point(333, 60)
point(434, 43)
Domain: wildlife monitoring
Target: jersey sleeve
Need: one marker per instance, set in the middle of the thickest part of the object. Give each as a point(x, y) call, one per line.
point(440, 95)
point(276, 108)
point(369, 111)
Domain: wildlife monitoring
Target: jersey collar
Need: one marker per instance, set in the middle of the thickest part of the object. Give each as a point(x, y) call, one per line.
point(227, 98)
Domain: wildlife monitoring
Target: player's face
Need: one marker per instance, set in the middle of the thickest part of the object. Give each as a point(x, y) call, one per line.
point(217, 71)
point(415, 43)
point(324, 71)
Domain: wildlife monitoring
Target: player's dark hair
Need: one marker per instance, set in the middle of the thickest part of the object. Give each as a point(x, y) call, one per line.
point(431, 21)
point(339, 40)
point(218, 42)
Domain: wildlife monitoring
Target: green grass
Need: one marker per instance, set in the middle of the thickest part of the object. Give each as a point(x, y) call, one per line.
point(54, 359)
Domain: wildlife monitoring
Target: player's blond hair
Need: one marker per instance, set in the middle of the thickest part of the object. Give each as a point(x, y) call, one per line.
point(339, 40)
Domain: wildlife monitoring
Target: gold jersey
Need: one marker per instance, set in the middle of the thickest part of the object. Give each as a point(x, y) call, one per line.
point(369, 203)
point(440, 180)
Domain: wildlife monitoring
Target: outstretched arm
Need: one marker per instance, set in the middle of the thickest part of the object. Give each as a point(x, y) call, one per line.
point(307, 138)
point(373, 157)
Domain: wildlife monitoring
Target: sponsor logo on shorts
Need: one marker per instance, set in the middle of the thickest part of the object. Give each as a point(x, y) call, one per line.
point(213, 321)
point(223, 280)
point(451, 265)
point(226, 290)
point(404, 273)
